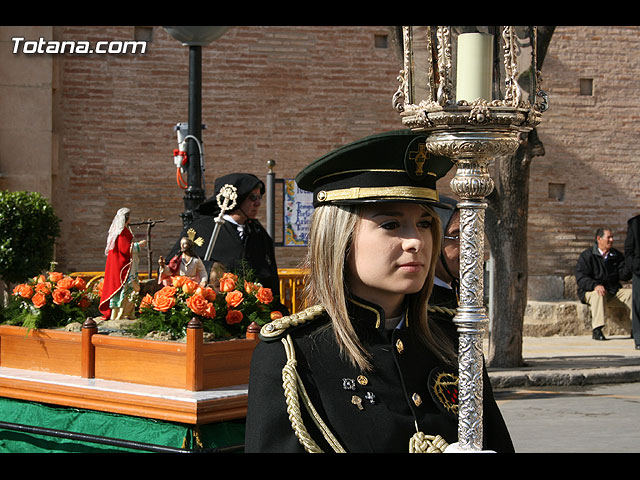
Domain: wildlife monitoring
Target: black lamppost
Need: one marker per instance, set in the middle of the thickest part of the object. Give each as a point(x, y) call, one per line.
point(195, 38)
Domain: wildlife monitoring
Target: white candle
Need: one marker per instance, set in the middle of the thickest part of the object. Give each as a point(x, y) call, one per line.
point(474, 66)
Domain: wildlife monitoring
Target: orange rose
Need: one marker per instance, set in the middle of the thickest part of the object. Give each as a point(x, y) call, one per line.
point(234, 316)
point(207, 292)
point(39, 278)
point(198, 304)
point(80, 284)
point(211, 311)
point(250, 287)
point(162, 302)
point(38, 300)
point(43, 288)
point(65, 282)
point(264, 295)
point(234, 298)
point(146, 301)
point(167, 291)
point(55, 276)
point(230, 275)
point(61, 296)
point(189, 286)
point(178, 281)
point(275, 315)
point(227, 284)
point(24, 290)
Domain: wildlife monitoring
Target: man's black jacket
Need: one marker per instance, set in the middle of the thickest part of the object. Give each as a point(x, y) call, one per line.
point(592, 269)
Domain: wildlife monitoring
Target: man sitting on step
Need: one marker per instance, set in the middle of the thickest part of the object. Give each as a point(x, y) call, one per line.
point(599, 270)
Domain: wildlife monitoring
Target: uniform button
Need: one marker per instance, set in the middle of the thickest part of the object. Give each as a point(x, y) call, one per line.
point(399, 346)
point(362, 380)
point(417, 399)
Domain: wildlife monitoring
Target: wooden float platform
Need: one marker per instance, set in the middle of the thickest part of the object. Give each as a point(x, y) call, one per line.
point(124, 398)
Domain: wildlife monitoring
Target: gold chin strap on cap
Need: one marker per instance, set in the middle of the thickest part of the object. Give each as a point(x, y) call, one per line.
point(358, 193)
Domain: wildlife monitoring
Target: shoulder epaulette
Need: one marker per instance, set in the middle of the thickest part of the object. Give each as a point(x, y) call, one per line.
point(276, 328)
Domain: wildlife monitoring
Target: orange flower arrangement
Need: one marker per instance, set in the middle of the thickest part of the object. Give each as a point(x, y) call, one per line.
point(227, 313)
point(51, 299)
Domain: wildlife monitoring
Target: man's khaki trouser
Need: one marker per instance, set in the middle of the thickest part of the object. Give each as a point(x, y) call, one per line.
point(598, 304)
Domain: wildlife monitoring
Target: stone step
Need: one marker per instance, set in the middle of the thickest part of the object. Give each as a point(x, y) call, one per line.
point(569, 317)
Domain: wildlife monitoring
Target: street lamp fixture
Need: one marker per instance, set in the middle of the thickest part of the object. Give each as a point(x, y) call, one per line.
point(474, 91)
point(195, 38)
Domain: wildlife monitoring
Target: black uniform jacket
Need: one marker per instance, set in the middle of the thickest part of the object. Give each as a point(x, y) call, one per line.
point(391, 401)
point(592, 270)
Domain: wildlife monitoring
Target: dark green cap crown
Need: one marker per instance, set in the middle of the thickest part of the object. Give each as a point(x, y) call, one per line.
point(392, 166)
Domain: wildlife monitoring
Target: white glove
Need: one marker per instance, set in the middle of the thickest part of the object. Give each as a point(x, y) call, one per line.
point(456, 448)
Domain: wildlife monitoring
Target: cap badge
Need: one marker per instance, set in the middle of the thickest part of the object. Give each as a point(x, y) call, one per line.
point(419, 158)
point(415, 158)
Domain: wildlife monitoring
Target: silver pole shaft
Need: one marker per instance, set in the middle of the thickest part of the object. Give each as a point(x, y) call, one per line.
point(471, 150)
point(214, 237)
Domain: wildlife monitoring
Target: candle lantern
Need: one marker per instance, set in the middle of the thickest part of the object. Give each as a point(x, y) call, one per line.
point(474, 91)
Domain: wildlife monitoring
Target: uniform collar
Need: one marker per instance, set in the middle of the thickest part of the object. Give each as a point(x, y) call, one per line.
point(367, 313)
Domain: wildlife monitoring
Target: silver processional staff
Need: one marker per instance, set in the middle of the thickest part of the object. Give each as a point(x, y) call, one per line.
point(226, 199)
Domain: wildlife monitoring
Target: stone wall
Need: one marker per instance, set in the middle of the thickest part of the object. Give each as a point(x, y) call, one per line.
point(553, 308)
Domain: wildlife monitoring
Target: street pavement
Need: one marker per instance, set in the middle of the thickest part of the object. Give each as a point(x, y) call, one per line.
point(570, 361)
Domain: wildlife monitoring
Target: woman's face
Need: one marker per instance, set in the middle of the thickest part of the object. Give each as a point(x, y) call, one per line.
point(251, 205)
point(390, 254)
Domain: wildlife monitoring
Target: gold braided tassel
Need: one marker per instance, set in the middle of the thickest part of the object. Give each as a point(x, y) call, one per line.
point(421, 443)
point(292, 387)
point(448, 311)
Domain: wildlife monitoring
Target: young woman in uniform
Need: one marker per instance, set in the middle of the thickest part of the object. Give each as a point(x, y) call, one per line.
point(364, 369)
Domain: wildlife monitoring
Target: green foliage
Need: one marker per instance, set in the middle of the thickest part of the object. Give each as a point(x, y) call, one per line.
point(28, 230)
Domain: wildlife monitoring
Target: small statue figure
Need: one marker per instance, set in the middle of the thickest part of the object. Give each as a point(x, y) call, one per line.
point(186, 264)
point(120, 286)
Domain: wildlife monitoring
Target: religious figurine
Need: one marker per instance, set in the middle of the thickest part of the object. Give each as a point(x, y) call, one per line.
point(186, 264)
point(120, 285)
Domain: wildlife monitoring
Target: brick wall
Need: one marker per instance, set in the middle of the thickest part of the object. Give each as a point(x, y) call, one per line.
point(292, 94)
point(289, 94)
point(591, 144)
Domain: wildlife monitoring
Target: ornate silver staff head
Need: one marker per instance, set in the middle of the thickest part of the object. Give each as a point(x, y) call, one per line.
point(227, 198)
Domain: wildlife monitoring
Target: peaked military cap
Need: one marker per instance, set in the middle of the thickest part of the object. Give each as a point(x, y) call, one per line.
point(392, 166)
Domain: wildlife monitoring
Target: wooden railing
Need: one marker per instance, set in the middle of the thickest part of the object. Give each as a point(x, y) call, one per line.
point(292, 281)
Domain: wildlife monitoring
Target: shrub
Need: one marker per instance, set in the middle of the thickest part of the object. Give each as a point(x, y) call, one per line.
point(28, 231)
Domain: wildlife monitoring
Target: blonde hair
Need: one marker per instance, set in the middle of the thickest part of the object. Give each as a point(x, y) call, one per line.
point(330, 238)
